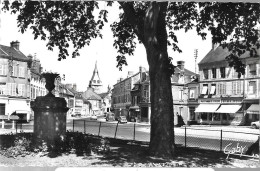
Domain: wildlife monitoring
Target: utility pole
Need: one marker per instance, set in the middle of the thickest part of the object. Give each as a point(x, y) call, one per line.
point(195, 56)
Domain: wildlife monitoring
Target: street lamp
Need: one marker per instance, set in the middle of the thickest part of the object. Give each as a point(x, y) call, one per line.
point(195, 56)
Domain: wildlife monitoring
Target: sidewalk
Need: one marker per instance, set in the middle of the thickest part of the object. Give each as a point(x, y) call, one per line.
point(244, 129)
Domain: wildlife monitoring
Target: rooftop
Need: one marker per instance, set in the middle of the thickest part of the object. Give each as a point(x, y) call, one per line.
point(219, 54)
point(12, 53)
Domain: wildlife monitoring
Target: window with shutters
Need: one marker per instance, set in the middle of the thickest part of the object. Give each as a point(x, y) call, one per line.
point(222, 88)
point(2, 88)
point(21, 72)
point(252, 87)
point(21, 89)
point(192, 93)
point(28, 90)
point(3, 70)
point(235, 74)
point(213, 89)
point(12, 89)
point(239, 89)
point(222, 72)
point(204, 89)
point(206, 74)
point(234, 87)
point(252, 69)
point(15, 71)
point(214, 72)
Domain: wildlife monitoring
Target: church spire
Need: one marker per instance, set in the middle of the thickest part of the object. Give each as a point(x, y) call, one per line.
point(95, 70)
point(95, 81)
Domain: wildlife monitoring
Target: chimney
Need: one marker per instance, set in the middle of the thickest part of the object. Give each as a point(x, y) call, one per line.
point(15, 44)
point(121, 79)
point(30, 57)
point(75, 87)
point(180, 65)
point(140, 71)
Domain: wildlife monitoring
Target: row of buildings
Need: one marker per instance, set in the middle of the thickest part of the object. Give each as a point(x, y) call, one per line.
point(21, 83)
point(214, 96)
point(217, 95)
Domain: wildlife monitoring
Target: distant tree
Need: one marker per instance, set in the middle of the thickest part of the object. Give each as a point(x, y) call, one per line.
point(153, 24)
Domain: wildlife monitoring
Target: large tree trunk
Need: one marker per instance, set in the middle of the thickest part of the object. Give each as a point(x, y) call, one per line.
point(155, 41)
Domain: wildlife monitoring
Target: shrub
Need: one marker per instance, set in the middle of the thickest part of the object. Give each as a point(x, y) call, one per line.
point(73, 142)
point(21, 147)
point(102, 147)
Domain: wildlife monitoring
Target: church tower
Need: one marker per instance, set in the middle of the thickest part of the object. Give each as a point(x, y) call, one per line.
point(95, 81)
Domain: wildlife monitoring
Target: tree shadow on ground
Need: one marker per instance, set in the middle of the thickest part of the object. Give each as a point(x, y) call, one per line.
point(138, 156)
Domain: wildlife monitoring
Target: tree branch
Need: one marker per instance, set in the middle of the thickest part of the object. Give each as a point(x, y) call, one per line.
point(132, 19)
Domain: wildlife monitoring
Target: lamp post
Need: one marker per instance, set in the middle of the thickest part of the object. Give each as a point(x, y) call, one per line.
point(195, 56)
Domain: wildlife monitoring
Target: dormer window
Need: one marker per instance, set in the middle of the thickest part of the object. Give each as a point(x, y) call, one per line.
point(252, 69)
point(206, 74)
point(94, 81)
point(214, 73)
point(222, 72)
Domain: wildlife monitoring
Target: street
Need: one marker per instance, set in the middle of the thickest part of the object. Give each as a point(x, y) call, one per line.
point(202, 137)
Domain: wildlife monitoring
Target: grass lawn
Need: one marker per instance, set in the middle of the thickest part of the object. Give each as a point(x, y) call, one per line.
point(125, 154)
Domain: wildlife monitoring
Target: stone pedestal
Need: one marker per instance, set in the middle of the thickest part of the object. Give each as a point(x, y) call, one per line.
point(49, 117)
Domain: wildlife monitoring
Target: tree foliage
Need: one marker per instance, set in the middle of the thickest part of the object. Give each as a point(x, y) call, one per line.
point(234, 25)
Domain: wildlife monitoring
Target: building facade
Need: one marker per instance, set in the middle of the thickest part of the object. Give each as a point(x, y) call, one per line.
point(140, 109)
point(193, 95)
point(106, 101)
point(180, 92)
point(225, 98)
point(121, 94)
point(94, 101)
point(14, 82)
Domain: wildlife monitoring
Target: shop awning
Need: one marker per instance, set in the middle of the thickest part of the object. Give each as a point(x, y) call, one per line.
point(253, 109)
point(211, 108)
point(21, 111)
point(134, 107)
point(95, 109)
point(228, 109)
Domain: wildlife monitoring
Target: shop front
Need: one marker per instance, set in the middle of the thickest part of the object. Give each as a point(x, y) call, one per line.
point(220, 114)
point(134, 114)
point(145, 112)
point(19, 107)
point(253, 113)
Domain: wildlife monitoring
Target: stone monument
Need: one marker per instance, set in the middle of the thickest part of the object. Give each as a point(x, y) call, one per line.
point(49, 112)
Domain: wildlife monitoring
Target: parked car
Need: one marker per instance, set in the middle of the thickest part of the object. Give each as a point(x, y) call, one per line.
point(133, 118)
point(94, 117)
point(76, 115)
point(122, 119)
point(255, 124)
point(110, 117)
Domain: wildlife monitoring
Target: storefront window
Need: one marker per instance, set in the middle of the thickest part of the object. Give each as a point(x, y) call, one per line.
point(210, 116)
point(204, 116)
point(192, 113)
point(231, 116)
point(216, 116)
point(144, 112)
point(225, 116)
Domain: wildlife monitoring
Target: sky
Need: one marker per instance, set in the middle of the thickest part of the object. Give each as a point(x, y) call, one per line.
point(79, 70)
